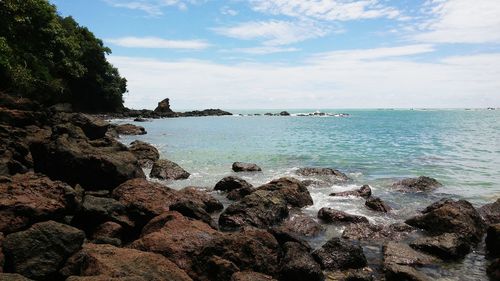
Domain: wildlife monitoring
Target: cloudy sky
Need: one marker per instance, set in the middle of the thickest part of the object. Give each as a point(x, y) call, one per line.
point(240, 54)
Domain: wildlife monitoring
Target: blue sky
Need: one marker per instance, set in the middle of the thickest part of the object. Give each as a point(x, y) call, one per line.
point(300, 53)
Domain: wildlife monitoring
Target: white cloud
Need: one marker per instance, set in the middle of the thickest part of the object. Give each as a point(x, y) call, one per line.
point(461, 21)
point(152, 7)
point(274, 32)
point(339, 10)
point(158, 43)
point(225, 10)
point(262, 50)
point(382, 77)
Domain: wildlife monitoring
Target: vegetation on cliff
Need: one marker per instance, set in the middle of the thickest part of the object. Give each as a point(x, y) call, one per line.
point(51, 59)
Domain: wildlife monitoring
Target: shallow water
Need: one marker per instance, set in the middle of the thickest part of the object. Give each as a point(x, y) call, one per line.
point(459, 148)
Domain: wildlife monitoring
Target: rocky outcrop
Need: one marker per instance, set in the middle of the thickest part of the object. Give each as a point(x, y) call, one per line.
point(400, 261)
point(29, 198)
point(449, 216)
point(339, 253)
point(98, 164)
point(447, 246)
point(298, 264)
point(376, 204)
point(164, 107)
point(107, 261)
point(245, 167)
point(365, 191)
point(168, 170)
point(251, 249)
point(205, 112)
point(175, 237)
point(40, 251)
point(493, 240)
point(377, 233)
point(291, 190)
point(330, 215)
point(94, 128)
point(231, 183)
point(490, 212)
point(329, 174)
point(420, 184)
point(129, 129)
point(144, 152)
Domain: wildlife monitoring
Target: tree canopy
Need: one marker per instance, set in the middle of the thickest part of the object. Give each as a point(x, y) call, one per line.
point(53, 59)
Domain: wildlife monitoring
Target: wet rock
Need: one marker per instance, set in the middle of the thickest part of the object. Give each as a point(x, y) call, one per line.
point(303, 225)
point(251, 249)
point(329, 173)
point(291, 190)
point(365, 191)
point(298, 264)
point(284, 113)
point(144, 152)
point(130, 129)
point(201, 198)
point(493, 270)
point(175, 237)
point(194, 211)
point(99, 164)
point(260, 209)
point(493, 240)
point(239, 193)
point(245, 167)
point(376, 204)
point(13, 277)
point(168, 170)
point(371, 232)
point(250, 276)
point(40, 251)
point(446, 246)
point(108, 233)
point(107, 260)
point(97, 210)
point(419, 184)
point(400, 260)
point(94, 128)
point(29, 198)
point(231, 183)
point(330, 215)
point(449, 216)
point(490, 212)
point(339, 253)
point(284, 236)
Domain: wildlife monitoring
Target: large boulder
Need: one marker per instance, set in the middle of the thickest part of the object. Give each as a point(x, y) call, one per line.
point(298, 264)
point(449, 216)
point(330, 215)
point(231, 183)
point(99, 164)
point(365, 191)
point(291, 190)
point(341, 254)
point(376, 204)
point(251, 249)
point(245, 167)
point(493, 240)
point(40, 251)
point(107, 261)
point(94, 128)
point(446, 246)
point(129, 129)
point(400, 261)
point(260, 209)
point(372, 232)
point(199, 197)
point(29, 198)
point(419, 184)
point(175, 237)
point(167, 170)
point(490, 212)
point(144, 152)
point(328, 174)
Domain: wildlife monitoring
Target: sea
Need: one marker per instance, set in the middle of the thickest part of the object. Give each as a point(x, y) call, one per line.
point(458, 147)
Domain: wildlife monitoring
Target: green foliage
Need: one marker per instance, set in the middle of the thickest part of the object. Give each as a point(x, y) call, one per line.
point(52, 59)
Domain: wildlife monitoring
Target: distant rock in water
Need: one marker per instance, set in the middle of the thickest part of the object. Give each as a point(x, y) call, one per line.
point(168, 170)
point(205, 112)
point(130, 129)
point(284, 113)
point(421, 183)
point(245, 167)
point(328, 173)
point(365, 191)
point(163, 108)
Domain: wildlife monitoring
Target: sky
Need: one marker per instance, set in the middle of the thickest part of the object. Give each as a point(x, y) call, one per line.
point(244, 54)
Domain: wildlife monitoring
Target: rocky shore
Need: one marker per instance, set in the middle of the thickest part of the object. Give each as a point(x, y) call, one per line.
point(76, 205)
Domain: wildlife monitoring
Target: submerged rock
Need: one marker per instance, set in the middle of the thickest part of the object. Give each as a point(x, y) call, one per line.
point(376, 204)
point(107, 261)
point(245, 167)
point(29, 198)
point(371, 232)
point(330, 215)
point(298, 264)
point(490, 212)
point(40, 251)
point(339, 253)
point(446, 246)
point(419, 184)
point(365, 191)
point(130, 129)
point(168, 170)
point(145, 153)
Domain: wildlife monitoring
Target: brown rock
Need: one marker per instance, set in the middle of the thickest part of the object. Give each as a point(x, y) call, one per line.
point(164, 107)
point(245, 167)
point(144, 152)
point(108, 233)
point(490, 212)
point(2, 258)
point(446, 246)
point(175, 237)
point(298, 264)
point(365, 191)
point(194, 211)
point(130, 129)
point(329, 174)
point(94, 128)
point(339, 253)
point(13, 277)
point(231, 183)
point(303, 225)
point(201, 198)
point(291, 190)
point(29, 198)
point(106, 260)
point(376, 204)
point(168, 170)
point(239, 193)
point(419, 184)
point(97, 210)
point(330, 215)
point(250, 276)
point(400, 260)
point(371, 232)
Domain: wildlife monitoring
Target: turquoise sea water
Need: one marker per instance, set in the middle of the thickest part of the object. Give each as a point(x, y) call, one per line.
point(460, 148)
